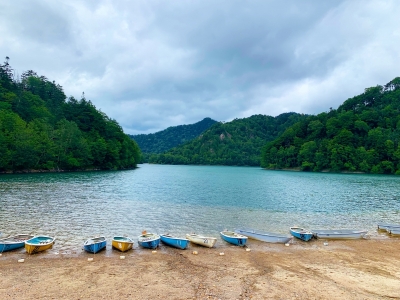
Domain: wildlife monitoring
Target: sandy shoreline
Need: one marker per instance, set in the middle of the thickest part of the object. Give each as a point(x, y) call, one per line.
point(353, 269)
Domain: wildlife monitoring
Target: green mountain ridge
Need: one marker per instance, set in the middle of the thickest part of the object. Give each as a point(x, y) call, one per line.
point(238, 142)
point(42, 130)
point(171, 137)
point(362, 135)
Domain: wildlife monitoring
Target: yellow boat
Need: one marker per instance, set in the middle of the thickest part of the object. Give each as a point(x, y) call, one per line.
point(122, 243)
point(39, 244)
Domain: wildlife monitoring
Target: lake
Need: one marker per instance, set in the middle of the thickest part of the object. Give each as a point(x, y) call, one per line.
point(184, 199)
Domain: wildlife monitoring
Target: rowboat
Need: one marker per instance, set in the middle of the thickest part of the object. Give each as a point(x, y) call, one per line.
point(301, 233)
point(387, 226)
point(205, 241)
point(233, 238)
point(264, 236)
point(149, 240)
point(14, 242)
point(39, 243)
point(339, 234)
point(122, 243)
point(94, 245)
point(174, 241)
point(394, 230)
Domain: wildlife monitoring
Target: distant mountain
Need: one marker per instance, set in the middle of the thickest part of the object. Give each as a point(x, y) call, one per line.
point(171, 137)
point(362, 135)
point(238, 142)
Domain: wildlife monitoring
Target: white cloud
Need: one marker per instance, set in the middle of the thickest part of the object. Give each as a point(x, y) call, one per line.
point(155, 64)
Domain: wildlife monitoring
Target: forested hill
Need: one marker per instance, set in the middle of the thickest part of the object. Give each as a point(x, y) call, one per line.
point(42, 130)
point(363, 134)
point(171, 137)
point(238, 142)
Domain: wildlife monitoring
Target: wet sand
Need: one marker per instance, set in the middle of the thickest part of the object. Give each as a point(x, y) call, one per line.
point(348, 269)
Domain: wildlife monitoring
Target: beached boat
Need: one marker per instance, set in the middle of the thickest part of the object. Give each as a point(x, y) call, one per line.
point(301, 233)
point(94, 245)
point(122, 243)
point(205, 241)
point(14, 242)
point(39, 243)
point(233, 238)
point(394, 230)
point(149, 240)
point(388, 226)
point(264, 236)
point(339, 234)
point(174, 241)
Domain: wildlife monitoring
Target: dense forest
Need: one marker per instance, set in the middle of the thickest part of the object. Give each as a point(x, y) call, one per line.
point(171, 137)
point(42, 130)
point(361, 135)
point(238, 142)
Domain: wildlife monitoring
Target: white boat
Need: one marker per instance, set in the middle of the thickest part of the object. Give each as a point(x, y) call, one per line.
point(198, 239)
point(394, 230)
point(388, 226)
point(263, 236)
point(339, 234)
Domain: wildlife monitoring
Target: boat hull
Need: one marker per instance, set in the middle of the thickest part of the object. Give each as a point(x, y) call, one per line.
point(394, 231)
point(122, 243)
point(301, 234)
point(95, 245)
point(339, 234)
point(264, 236)
point(149, 240)
point(38, 244)
point(201, 240)
point(14, 242)
point(388, 227)
point(9, 247)
point(234, 238)
point(174, 241)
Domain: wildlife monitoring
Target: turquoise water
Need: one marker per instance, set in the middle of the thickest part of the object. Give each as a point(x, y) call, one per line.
point(183, 199)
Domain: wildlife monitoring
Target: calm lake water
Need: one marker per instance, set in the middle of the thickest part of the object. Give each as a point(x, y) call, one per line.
point(183, 199)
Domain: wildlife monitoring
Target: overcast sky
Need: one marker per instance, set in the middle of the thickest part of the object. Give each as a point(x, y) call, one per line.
point(154, 64)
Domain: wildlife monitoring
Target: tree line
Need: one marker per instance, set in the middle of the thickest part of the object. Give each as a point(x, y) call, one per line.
point(171, 137)
point(235, 143)
point(40, 129)
point(362, 135)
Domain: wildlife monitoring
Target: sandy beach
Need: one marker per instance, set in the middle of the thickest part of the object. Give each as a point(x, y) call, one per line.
point(347, 269)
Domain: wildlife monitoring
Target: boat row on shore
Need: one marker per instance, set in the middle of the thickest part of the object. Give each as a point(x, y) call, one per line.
point(35, 244)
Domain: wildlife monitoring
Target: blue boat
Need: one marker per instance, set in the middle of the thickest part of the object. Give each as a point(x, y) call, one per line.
point(301, 233)
point(94, 245)
point(14, 242)
point(233, 238)
point(149, 240)
point(174, 241)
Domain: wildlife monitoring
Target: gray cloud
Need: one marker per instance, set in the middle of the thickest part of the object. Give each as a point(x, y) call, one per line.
point(155, 64)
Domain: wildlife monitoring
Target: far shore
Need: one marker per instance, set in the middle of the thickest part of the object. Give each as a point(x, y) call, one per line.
point(33, 171)
point(345, 269)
